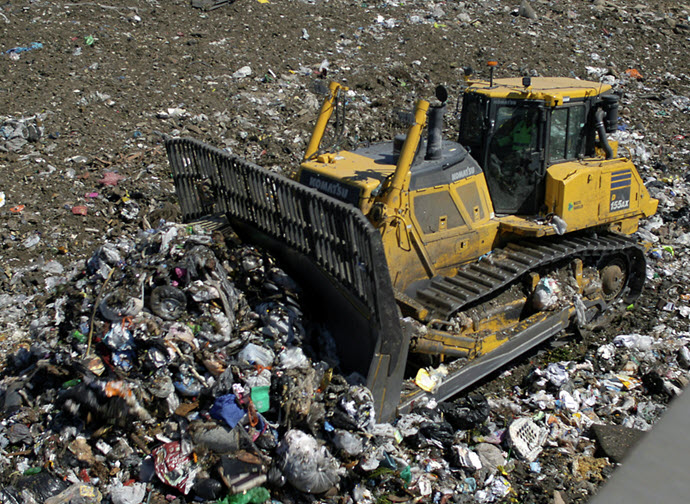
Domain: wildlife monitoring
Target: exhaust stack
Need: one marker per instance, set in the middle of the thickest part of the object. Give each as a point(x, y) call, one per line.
point(434, 142)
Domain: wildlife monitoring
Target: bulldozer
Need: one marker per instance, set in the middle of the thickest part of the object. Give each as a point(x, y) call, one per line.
point(423, 253)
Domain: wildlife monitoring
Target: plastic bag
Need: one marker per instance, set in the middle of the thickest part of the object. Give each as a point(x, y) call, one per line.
point(467, 412)
point(442, 432)
point(253, 496)
point(467, 458)
point(254, 354)
point(349, 443)
point(292, 358)
point(209, 489)
point(225, 408)
point(308, 467)
point(39, 486)
point(557, 374)
point(355, 410)
point(133, 494)
point(546, 293)
point(636, 341)
point(79, 493)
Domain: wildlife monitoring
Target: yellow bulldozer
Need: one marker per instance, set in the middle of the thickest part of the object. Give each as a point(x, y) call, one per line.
point(424, 251)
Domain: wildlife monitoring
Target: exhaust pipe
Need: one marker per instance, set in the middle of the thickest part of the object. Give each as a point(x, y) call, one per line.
point(434, 142)
point(599, 115)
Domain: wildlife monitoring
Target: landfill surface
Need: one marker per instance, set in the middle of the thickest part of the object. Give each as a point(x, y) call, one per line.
point(144, 360)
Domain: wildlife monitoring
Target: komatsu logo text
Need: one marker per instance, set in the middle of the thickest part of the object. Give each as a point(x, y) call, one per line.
point(332, 188)
point(462, 174)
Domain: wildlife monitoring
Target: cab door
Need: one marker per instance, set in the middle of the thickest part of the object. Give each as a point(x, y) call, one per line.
point(514, 164)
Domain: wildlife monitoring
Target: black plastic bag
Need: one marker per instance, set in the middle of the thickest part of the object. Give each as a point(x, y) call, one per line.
point(40, 486)
point(466, 413)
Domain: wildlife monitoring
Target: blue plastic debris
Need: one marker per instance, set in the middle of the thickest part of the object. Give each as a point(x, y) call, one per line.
point(20, 49)
point(187, 385)
point(225, 408)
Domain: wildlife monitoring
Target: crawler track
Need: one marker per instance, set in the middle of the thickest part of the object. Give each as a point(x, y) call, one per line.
point(479, 281)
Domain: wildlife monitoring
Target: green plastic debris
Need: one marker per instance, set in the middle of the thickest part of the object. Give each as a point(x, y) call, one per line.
point(89, 40)
point(71, 383)
point(32, 470)
point(77, 335)
point(406, 475)
point(261, 398)
point(257, 495)
point(669, 249)
point(630, 307)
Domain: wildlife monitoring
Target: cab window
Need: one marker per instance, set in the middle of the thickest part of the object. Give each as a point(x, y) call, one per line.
point(472, 122)
point(567, 133)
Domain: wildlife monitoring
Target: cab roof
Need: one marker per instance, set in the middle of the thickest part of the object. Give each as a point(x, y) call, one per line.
point(553, 90)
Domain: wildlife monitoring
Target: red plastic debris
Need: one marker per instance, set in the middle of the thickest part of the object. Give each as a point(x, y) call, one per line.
point(84, 476)
point(174, 467)
point(79, 210)
point(17, 208)
point(110, 178)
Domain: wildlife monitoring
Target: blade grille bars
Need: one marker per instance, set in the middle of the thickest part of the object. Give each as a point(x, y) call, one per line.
point(335, 235)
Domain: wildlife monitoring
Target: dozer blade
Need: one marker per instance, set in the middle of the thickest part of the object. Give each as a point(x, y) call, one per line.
point(327, 245)
point(463, 375)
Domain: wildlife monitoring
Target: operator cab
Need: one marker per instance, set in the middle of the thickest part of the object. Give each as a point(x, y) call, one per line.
point(517, 128)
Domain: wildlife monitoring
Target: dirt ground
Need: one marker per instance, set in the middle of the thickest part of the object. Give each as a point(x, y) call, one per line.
point(111, 77)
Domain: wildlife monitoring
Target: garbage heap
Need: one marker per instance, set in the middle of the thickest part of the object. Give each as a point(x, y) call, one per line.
point(179, 365)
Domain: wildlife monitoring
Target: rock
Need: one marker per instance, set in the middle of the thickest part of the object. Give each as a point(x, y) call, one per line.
point(527, 11)
point(245, 71)
point(557, 497)
point(615, 441)
point(490, 455)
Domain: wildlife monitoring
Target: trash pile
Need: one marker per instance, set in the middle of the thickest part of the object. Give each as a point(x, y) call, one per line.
point(179, 365)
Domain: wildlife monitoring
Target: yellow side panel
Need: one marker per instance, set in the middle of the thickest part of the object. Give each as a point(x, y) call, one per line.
point(351, 168)
point(595, 192)
point(360, 173)
point(439, 229)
